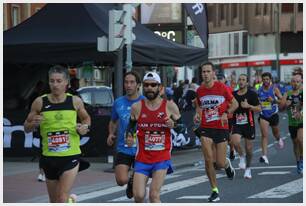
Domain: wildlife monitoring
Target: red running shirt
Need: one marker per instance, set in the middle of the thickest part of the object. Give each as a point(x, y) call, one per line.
point(154, 141)
point(214, 102)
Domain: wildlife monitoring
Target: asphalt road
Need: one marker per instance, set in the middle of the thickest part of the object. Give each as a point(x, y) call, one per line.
point(274, 183)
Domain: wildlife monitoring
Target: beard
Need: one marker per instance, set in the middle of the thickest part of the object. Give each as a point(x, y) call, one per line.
point(151, 95)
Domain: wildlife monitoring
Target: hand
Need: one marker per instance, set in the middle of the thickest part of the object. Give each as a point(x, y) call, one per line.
point(270, 99)
point(129, 140)
point(245, 104)
point(288, 103)
point(169, 122)
point(110, 139)
point(36, 120)
point(297, 115)
point(224, 119)
point(82, 128)
point(197, 119)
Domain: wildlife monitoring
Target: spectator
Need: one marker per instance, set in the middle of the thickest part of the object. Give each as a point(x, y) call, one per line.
point(178, 92)
point(74, 86)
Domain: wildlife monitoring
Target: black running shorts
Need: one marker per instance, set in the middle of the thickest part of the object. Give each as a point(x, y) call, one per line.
point(124, 159)
point(246, 131)
point(54, 167)
point(293, 130)
point(218, 135)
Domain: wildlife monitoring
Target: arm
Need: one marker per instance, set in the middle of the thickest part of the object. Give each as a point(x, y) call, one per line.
point(112, 128)
point(34, 118)
point(284, 102)
point(82, 128)
point(278, 94)
point(131, 128)
point(173, 118)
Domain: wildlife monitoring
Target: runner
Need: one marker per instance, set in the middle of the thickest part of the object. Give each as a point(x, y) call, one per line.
point(56, 115)
point(244, 125)
point(214, 103)
point(293, 100)
point(154, 117)
point(125, 155)
point(269, 97)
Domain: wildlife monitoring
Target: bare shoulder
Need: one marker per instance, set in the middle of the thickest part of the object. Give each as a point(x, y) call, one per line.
point(37, 104)
point(173, 109)
point(77, 102)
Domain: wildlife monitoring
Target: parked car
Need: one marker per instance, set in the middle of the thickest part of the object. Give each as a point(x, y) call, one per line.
point(98, 101)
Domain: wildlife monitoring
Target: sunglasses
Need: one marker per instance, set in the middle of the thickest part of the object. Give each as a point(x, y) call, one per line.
point(150, 84)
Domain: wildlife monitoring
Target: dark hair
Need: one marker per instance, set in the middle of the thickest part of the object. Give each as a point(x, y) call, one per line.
point(186, 81)
point(194, 80)
point(59, 69)
point(207, 63)
point(266, 74)
point(297, 73)
point(245, 76)
point(135, 74)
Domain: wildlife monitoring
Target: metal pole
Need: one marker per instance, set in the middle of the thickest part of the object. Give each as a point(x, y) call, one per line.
point(119, 74)
point(277, 39)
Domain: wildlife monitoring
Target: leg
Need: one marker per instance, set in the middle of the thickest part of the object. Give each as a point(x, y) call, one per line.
point(139, 187)
point(300, 142)
point(222, 161)
point(122, 174)
point(65, 183)
point(249, 151)
point(158, 178)
point(276, 133)
point(235, 139)
point(264, 126)
point(52, 188)
point(206, 146)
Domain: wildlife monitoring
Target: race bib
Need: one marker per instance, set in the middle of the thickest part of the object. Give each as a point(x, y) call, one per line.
point(58, 141)
point(266, 105)
point(155, 140)
point(211, 114)
point(241, 119)
point(134, 138)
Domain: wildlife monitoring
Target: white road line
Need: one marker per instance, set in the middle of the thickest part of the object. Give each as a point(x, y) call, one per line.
point(270, 145)
point(282, 191)
point(175, 186)
point(274, 173)
point(194, 197)
point(111, 190)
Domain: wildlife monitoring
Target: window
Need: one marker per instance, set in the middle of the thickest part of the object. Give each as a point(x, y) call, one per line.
point(287, 8)
point(15, 15)
point(235, 10)
point(265, 9)
point(300, 7)
point(257, 10)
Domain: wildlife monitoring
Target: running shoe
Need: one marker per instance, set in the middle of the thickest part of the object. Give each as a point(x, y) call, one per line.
point(280, 143)
point(242, 164)
point(264, 159)
point(41, 177)
point(247, 173)
point(230, 171)
point(129, 188)
point(214, 197)
point(232, 155)
point(72, 198)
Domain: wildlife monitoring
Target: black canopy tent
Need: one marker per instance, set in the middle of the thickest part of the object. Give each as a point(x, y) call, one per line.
point(67, 33)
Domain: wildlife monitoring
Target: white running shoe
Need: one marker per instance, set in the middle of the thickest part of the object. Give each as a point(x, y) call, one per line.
point(281, 143)
point(41, 177)
point(264, 159)
point(247, 173)
point(242, 164)
point(72, 198)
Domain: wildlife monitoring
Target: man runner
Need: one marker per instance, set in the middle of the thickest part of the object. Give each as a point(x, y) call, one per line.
point(293, 100)
point(125, 155)
point(269, 97)
point(154, 117)
point(56, 115)
point(244, 124)
point(214, 103)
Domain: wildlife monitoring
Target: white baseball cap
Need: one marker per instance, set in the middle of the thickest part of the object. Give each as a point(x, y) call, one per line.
point(152, 76)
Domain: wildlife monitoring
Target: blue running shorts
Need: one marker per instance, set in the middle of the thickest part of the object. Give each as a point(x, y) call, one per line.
point(148, 169)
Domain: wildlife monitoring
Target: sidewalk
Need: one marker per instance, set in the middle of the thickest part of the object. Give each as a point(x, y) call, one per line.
point(20, 183)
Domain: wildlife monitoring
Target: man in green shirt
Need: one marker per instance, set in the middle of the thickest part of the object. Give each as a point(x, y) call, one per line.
point(56, 116)
point(293, 101)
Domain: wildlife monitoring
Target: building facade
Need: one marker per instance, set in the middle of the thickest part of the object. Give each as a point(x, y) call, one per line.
point(251, 38)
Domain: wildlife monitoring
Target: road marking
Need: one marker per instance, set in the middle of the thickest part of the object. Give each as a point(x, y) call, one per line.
point(175, 186)
point(194, 197)
point(270, 145)
point(282, 191)
point(274, 173)
point(111, 190)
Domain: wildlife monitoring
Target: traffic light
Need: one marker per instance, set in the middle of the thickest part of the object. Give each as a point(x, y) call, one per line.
point(115, 29)
point(129, 23)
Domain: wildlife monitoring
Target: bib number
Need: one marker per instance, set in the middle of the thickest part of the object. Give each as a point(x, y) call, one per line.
point(241, 119)
point(154, 140)
point(58, 141)
point(266, 105)
point(211, 114)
